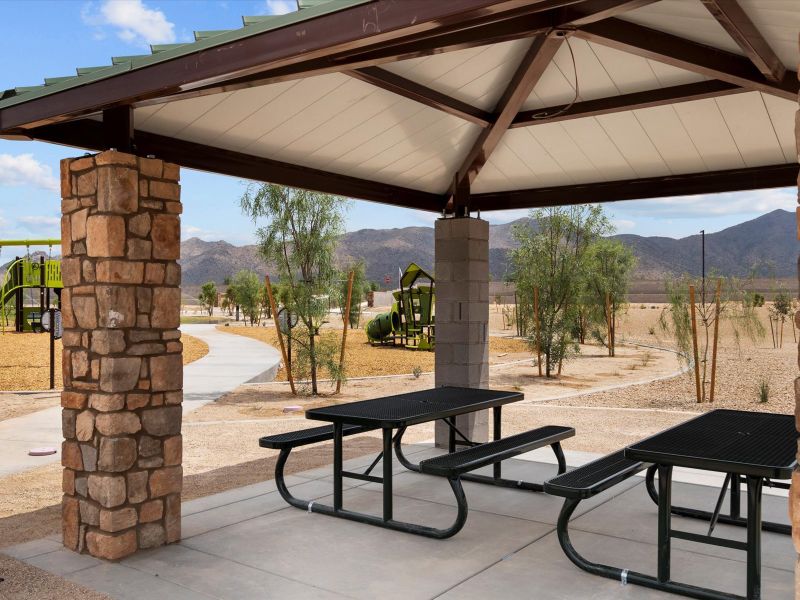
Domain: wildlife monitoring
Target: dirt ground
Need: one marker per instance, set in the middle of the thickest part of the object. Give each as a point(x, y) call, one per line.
point(24, 361)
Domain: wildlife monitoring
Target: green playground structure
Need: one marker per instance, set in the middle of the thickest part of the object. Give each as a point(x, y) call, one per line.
point(411, 321)
point(24, 276)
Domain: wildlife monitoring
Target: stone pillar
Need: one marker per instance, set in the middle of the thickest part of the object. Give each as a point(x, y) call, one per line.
point(122, 360)
point(462, 315)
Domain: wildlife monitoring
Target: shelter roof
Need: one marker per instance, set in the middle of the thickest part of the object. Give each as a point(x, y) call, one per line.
point(480, 104)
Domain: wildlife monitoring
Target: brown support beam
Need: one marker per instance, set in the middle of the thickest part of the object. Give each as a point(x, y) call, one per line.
point(531, 67)
point(118, 128)
point(647, 99)
point(89, 134)
point(732, 180)
point(688, 55)
point(735, 21)
point(590, 12)
point(419, 93)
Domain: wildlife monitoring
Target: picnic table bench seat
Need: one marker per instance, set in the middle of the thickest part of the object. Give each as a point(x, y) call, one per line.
point(594, 477)
point(303, 437)
point(475, 457)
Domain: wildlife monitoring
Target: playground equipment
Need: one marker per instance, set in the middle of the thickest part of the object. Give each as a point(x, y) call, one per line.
point(411, 321)
point(23, 276)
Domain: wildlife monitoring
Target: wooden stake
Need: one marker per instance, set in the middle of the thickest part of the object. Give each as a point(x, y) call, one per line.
point(344, 331)
point(694, 342)
point(608, 322)
point(280, 336)
point(536, 323)
point(716, 337)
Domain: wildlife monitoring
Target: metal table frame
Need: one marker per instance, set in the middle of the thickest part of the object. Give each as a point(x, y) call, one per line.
point(388, 424)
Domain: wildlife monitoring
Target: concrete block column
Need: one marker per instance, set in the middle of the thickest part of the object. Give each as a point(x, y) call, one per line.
point(462, 315)
point(122, 360)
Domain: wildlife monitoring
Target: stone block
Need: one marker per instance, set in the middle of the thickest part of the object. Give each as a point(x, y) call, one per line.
point(107, 341)
point(68, 418)
point(107, 490)
point(149, 446)
point(111, 546)
point(77, 225)
point(84, 426)
point(166, 372)
point(144, 299)
point(162, 421)
point(139, 225)
point(71, 271)
point(794, 509)
point(71, 456)
point(166, 308)
point(165, 190)
point(120, 271)
point(151, 167)
point(89, 455)
point(172, 171)
point(105, 236)
point(151, 511)
point(70, 522)
point(172, 517)
point(80, 363)
point(90, 513)
point(137, 400)
point(107, 402)
point(82, 486)
point(118, 423)
point(118, 519)
point(166, 481)
point(87, 269)
point(151, 535)
point(68, 481)
point(87, 183)
point(114, 157)
point(172, 275)
point(117, 190)
point(119, 374)
point(139, 249)
point(172, 398)
point(137, 486)
point(116, 306)
point(117, 454)
point(166, 236)
point(173, 451)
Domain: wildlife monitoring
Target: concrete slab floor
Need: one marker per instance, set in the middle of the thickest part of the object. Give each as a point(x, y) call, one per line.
point(247, 543)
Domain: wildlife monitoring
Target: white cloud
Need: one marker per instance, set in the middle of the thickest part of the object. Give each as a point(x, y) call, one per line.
point(40, 221)
point(623, 224)
point(133, 21)
point(24, 169)
point(280, 7)
point(714, 205)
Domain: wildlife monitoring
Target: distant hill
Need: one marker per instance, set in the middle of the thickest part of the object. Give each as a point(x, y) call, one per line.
point(768, 242)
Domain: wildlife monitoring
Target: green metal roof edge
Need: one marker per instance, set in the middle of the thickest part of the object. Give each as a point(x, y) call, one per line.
point(35, 92)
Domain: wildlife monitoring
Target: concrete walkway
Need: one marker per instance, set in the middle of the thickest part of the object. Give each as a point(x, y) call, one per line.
point(247, 543)
point(231, 360)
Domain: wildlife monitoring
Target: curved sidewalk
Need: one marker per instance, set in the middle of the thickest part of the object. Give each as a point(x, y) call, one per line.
point(231, 360)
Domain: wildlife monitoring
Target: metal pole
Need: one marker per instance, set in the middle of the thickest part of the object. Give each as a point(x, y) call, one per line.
point(387, 474)
point(52, 347)
point(42, 285)
point(694, 343)
point(664, 521)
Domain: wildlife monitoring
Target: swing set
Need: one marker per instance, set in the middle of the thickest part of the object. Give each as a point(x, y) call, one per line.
point(23, 277)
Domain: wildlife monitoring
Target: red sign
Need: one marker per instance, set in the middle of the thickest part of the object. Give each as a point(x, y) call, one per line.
point(387, 279)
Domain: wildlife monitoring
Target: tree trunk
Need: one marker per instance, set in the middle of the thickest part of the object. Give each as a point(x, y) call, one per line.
point(313, 360)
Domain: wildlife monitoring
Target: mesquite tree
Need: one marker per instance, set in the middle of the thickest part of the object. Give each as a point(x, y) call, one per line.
point(551, 256)
point(300, 238)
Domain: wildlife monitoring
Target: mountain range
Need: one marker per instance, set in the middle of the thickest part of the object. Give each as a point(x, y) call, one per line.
point(767, 243)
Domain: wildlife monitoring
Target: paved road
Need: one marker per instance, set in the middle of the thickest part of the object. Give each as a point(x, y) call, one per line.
point(231, 361)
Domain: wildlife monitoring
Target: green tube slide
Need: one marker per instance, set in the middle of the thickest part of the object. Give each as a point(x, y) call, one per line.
point(383, 325)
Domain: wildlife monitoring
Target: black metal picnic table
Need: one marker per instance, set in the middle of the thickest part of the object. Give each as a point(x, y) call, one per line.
point(397, 413)
point(751, 446)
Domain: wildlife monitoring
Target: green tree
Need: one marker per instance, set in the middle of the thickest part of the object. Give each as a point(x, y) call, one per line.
point(609, 266)
point(780, 310)
point(208, 297)
point(300, 238)
point(552, 257)
point(247, 287)
point(360, 289)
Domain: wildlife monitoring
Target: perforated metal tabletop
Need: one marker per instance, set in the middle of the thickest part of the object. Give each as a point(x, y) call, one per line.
point(415, 407)
point(730, 441)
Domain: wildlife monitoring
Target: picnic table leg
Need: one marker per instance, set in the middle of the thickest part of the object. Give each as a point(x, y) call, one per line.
point(754, 486)
point(664, 521)
point(387, 474)
point(337, 466)
point(451, 439)
point(496, 413)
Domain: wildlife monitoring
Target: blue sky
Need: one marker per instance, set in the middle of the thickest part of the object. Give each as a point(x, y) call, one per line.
point(70, 34)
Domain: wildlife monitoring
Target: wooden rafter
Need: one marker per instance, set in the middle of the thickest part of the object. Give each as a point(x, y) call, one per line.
point(624, 102)
point(531, 67)
point(730, 180)
point(688, 55)
point(735, 21)
point(424, 95)
point(90, 134)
